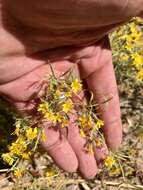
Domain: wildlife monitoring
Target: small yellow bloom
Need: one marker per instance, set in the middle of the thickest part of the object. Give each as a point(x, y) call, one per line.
point(98, 143)
point(114, 171)
point(43, 107)
point(85, 121)
point(76, 86)
point(26, 155)
point(49, 116)
point(18, 147)
point(82, 134)
point(18, 172)
point(7, 157)
point(68, 94)
point(67, 106)
point(137, 60)
point(57, 94)
point(99, 124)
point(125, 57)
point(109, 162)
point(31, 133)
point(59, 118)
point(64, 123)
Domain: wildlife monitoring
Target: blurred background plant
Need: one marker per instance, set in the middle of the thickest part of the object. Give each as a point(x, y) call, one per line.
point(127, 51)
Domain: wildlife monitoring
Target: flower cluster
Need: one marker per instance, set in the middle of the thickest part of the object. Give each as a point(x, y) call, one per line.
point(65, 99)
point(23, 147)
point(62, 102)
point(127, 42)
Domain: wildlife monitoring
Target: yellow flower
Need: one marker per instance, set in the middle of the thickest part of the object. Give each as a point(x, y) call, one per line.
point(18, 172)
point(68, 94)
point(82, 134)
point(109, 162)
point(49, 116)
point(76, 86)
point(114, 171)
point(43, 107)
point(125, 57)
point(26, 155)
point(59, 118)
point(85, 121)
point(18, 147)
point(64, 123)
point(67, 106)
point(99, 124)
point(98, 143)
point(31, 133)
point(57, 94)
point(137, 60)
point(7, 157)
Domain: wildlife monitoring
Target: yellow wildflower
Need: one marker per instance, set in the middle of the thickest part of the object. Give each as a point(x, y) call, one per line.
point(18, 147)
point(26, 155)
point(99, 124)
point(76, 86)
point(64, 123)
point(85, 121)
point(67, 106)
point(68, 94)
point(125, 57)
point(114, 171)
point(18, 172)
point(98, 143)
point(82, 133)
point(57, 94)
point(59, 118)
point(49, 116)
point(137, 60)
point(43, 107)
point(31, 133)
point(7, 157)
point(109, 162)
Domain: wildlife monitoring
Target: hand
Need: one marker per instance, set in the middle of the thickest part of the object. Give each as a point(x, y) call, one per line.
point(22, 69)
point(97, 71)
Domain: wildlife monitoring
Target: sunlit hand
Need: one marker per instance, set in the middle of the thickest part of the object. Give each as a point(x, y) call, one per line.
point(26, 37)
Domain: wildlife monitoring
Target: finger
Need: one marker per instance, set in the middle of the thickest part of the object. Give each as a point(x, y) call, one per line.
point(29, 85)
point(100, 153)
point(87, 163)
point(100, 78)
point(59, 149)
point(56, 145)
